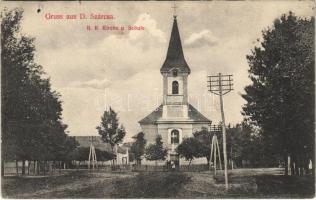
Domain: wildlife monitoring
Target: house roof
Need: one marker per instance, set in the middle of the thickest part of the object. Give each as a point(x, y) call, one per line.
point(84, 141)
point(175, 57)
point(193, 114)
point(121, 150)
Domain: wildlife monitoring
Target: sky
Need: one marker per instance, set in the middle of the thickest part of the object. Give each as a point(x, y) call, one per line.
point(95, 69)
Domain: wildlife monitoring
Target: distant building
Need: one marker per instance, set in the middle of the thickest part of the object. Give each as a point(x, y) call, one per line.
point(122, 151)
point(84, 141)
point(175, 118)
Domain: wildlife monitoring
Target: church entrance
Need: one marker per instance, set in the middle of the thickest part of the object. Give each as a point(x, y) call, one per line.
point(174, 158)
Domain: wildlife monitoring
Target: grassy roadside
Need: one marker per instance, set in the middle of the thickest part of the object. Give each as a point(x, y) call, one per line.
point(151, 185)
point(269, 186)
point(279, 186)
point(83, 184)
point(13, 187)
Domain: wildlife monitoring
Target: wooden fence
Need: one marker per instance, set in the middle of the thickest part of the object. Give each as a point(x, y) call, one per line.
point(194, 168)
point(10, 168)
point(184, 168)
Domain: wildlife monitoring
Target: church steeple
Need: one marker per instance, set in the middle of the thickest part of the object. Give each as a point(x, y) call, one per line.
point(175, 57)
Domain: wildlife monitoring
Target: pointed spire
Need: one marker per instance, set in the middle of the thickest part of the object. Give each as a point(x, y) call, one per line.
point(175, 57)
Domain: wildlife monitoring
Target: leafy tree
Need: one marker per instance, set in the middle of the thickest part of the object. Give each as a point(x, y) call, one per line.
point(109, 129)
point(280, 99)
point(13, 76)
point(104, 155)
point(205, 138)
point(68, 147)
point(31, 112)
point(190, 148)
point(138, 147)
point(245, 143)
point(156, 151)
point(82, 154)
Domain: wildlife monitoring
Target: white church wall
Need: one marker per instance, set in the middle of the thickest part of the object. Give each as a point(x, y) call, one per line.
point(150, 131)
point(164, 130)
point(185, 131)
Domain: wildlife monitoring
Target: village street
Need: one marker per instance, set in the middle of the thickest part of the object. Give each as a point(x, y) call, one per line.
point(265, 183)
point(171, 99)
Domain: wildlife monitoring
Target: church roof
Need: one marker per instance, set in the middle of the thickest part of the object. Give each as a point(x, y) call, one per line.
point(175, 57)
point(194, 115)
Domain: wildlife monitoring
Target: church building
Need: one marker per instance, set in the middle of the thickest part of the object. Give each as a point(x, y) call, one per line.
point(175, 118)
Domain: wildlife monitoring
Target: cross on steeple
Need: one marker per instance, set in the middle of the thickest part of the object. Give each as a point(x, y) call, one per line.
point(174, 9)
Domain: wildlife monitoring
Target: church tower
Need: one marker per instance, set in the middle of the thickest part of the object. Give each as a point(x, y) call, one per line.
point(175, 72)
point(175, 119)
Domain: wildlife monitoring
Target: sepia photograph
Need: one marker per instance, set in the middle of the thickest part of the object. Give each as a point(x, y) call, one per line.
point(157, 99)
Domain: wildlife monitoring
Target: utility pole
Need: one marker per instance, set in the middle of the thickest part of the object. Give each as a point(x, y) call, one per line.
point(221, 85)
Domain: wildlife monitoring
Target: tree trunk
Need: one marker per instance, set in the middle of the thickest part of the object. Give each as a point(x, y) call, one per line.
point(38, 167)
point(34, 169)
point(306, 166)
point(231, 157)
point(313, 167)
point(28, 167)
point(301, 171)
point(286, 167)
point(296, 168)
point(17, 167)
point(23, 167)
point(190, 162)
point(292, 167)
point(44, 167)
point(2, 167)
point(59, 166)
point(112, 147)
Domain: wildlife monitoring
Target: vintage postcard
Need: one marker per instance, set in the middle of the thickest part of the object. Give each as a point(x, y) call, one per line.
point(171, 99)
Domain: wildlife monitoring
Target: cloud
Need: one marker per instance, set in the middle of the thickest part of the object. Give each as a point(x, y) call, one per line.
point(200, 39)
point(151, 34)
point(95, 84)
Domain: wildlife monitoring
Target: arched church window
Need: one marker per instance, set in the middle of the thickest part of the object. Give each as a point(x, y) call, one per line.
point(174, 137)
point(175, 87)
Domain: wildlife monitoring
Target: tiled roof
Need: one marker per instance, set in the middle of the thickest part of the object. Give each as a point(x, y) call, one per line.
point(194, 115)
point(121, 150)
point(175, 57)
point(84, 141)
point(152, 117)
